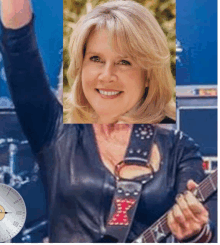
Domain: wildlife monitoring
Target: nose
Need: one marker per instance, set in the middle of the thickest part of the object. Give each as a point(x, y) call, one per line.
point(107, 73)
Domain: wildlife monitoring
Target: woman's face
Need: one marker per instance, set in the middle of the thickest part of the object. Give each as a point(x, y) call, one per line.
point(112, 83)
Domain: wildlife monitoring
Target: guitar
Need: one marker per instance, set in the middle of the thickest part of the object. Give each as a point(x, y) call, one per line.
point(160, 229)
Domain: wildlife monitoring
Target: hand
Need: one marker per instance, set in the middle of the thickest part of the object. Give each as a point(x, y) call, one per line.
point(15, 13)
point(188, 216)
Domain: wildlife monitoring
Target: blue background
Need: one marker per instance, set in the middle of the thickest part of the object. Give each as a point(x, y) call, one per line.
point(197, 32)
point(49, 32)
point(200, 124)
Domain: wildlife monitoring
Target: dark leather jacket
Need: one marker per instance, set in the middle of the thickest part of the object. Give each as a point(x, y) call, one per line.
point(79, 187)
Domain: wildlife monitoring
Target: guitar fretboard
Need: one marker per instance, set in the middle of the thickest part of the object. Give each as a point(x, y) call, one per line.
point(159, 230)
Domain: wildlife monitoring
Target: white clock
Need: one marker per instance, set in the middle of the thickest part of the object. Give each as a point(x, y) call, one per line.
point(12, 212)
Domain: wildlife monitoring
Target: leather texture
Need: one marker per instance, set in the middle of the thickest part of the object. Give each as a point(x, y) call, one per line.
point(79, 187)
point(123, 208)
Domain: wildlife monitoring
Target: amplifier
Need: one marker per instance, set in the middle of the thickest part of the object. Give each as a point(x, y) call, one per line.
point(210, 164)
point(197, 117)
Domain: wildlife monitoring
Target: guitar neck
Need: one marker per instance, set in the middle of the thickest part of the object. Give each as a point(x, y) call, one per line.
point(160, 229)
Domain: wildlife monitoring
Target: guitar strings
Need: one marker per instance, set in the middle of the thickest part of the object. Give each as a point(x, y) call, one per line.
point(207, 184)
point(203, 186)
point(163, 220)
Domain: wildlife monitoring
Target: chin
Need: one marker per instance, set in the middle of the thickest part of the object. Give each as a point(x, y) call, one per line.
point(107, 119)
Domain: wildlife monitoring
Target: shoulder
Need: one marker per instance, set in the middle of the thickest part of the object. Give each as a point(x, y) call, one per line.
point(183, 155)
point(67, 130)
point(176, 139)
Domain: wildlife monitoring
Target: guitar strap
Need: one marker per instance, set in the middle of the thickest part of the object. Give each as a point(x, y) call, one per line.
point(127, 192)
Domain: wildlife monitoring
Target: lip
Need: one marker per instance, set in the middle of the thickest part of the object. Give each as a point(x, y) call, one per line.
point(109, 96)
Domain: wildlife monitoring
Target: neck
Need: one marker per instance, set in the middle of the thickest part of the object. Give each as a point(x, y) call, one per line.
point(108, 130)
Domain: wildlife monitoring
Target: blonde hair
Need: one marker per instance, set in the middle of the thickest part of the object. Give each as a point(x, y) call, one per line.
point(133, 30)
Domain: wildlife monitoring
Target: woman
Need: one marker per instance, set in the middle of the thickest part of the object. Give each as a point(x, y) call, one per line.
point(78, 162)
point(120, 68)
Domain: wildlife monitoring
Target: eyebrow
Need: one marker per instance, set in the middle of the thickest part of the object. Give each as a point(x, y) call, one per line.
point(100, 54)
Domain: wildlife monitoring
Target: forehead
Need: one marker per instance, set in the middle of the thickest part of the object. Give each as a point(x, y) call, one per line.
point(98, 37)
point(102, 39)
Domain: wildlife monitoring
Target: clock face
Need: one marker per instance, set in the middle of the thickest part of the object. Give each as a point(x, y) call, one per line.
point(12, 212)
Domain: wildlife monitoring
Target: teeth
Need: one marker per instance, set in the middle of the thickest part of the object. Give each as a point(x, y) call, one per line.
point(108, 93)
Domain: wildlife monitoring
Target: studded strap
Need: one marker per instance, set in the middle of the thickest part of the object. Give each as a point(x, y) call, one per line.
point(127, 192)
point(140, 144)
point(124, 205)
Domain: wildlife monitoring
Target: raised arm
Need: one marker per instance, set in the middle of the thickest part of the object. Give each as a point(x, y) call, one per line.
point(36, 105)
point(15, 13)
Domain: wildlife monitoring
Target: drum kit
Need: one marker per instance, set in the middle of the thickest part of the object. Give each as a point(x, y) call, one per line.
point(19, 169)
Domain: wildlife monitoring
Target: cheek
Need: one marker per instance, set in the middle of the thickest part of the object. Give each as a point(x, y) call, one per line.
point(86, 79)
point(88, 75)
point(85, 84)
point(136, 86)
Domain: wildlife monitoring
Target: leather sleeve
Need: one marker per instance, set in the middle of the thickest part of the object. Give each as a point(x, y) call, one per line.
point(189, 161)
point(36, 105)
point(189, 166)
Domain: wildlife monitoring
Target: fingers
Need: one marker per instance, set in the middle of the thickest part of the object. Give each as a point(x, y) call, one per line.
point(187, 217)
point(191, 185)
point(176, 230)
point(179, 217)
point(177, 223)
point(192, 208)
point(187, 205)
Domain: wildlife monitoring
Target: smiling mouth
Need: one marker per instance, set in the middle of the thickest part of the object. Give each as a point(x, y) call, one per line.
point(108, 93)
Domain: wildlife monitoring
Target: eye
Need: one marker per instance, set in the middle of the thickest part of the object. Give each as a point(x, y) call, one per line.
point(95, 59)
point(124, 62)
